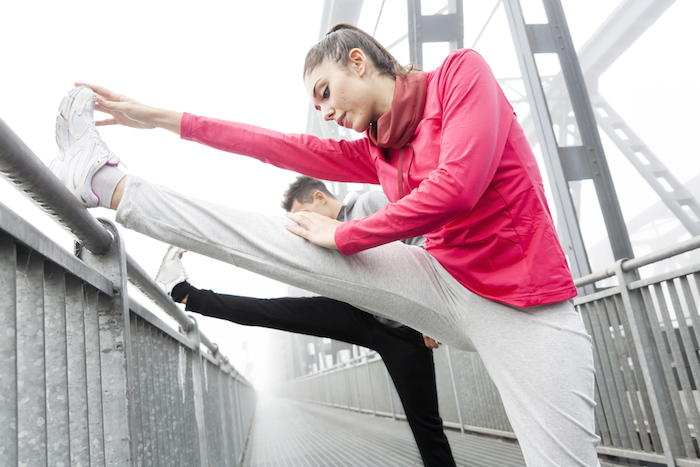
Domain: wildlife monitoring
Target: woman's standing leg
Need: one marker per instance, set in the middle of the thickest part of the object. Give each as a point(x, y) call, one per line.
point(541, 360)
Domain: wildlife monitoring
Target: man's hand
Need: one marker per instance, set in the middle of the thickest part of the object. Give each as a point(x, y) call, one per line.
point(314, 227)
point(430, 342)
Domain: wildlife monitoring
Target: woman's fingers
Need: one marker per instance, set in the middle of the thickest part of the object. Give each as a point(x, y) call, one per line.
point(102, 105)
point(316, 228)
point(296, 230)
point(126, 111)
point(306, 219)
point(104, 92)
point(129, 113)
point(106, 121)
point(106, 105)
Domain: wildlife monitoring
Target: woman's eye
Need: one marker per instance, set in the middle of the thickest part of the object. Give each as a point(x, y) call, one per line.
point(326, 93)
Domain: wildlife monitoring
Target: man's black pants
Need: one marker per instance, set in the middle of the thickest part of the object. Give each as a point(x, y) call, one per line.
point(408, 360)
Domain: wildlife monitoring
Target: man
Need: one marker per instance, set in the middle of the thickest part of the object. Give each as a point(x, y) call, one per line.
point(406, 353)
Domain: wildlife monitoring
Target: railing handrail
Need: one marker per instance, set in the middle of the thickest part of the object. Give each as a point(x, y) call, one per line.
point(139, 278)
point(34, 179)
point(635, 263)
point(355, 361)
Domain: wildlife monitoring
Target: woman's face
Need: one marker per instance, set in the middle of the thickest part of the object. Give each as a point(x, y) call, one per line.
point(344, 94)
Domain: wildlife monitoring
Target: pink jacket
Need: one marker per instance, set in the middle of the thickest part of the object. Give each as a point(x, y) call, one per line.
point(470, 181)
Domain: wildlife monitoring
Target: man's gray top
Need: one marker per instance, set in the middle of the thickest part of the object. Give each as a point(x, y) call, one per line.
point(357, 206)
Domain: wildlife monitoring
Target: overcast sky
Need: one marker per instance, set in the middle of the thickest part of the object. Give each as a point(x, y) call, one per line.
point(242, 61)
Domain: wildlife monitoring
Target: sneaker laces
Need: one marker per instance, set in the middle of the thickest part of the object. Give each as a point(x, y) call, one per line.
point(104, 150)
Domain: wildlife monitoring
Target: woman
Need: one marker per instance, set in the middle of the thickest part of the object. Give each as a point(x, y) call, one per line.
point(452, 159)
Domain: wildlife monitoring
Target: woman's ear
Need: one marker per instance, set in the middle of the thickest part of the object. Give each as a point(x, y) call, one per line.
point(358, 61)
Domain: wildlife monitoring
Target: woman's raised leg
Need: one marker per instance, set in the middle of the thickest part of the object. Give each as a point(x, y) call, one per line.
point(398, 281)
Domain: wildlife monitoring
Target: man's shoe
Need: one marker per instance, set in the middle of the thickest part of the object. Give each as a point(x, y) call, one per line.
point(171, 271)
point(81, 151)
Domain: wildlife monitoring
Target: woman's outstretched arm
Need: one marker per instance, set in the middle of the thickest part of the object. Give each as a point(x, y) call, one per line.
point(129, 112)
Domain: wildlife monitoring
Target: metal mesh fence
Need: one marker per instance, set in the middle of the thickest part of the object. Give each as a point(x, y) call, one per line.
point(85, 383)
point(646, 336)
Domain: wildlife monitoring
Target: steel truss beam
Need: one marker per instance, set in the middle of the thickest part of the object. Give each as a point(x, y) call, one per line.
point(565, 164)
point(612, 39)
point(423, 29)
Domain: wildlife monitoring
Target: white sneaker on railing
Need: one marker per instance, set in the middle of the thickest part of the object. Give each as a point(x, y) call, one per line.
point(171, 271)
point(81, 151)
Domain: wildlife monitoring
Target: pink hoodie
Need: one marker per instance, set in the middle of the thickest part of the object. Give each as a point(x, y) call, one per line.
point(470, 182)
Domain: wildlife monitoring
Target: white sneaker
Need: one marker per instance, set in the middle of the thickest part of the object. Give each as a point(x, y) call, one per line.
point(171, 271)
point(81, 151)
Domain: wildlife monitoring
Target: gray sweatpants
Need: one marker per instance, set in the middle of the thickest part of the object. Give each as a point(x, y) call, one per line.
point(540, 357)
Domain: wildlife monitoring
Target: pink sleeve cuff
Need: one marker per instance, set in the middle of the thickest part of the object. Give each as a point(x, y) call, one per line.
point(342, 239)
point(185, 126)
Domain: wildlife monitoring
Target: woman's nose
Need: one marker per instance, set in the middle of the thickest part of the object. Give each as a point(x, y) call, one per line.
point(328, 114)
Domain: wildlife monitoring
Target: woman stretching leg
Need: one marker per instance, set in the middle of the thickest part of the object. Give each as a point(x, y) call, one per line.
point(455, 164)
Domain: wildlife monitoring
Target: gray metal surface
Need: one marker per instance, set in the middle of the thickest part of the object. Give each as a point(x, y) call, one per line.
point(292, 433)
point(646, 352)
point(672, 192)
point(12, 224)
point(439, 27)
point(88, 379)
point(568, 229)
point(112, 342)
point(566, 164)
point(629, 20)
point(31, 176)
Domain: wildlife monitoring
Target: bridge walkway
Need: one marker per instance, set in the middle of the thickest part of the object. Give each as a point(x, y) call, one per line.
point(291, 433)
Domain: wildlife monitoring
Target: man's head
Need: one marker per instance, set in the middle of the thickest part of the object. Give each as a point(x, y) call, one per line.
point(310, 194)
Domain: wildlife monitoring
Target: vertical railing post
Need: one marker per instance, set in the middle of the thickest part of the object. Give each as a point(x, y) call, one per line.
point(30, 362)
point(336, 385)
point(652, 373)
point(454, 389)
point(222, 412)
point(371, 388)
point(8, 345)
point(347, 385)
point(115, 349)
point(239, 415)
point(356, 369)
point(391, 396)
point(198, 389)
point(321, 388)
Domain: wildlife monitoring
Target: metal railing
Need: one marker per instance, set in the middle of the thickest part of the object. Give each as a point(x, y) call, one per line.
point(89, 376)
point(646, 344)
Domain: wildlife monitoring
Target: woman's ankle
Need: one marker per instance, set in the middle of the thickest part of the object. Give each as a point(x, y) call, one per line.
point(118, 193)
point(106, 183)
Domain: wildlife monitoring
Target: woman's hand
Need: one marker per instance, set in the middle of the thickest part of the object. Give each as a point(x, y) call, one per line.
point(129, 112)
point(316, 228)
